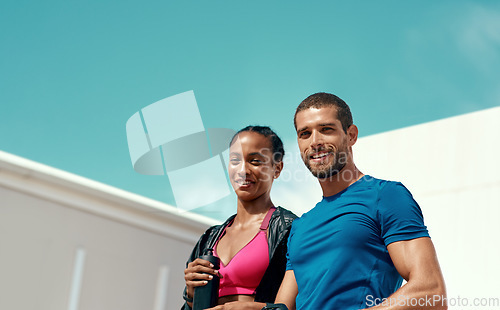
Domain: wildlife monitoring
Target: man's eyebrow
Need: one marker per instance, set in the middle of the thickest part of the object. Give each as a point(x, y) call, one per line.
point(302, 129)
point(329, 124)
point(321, 125)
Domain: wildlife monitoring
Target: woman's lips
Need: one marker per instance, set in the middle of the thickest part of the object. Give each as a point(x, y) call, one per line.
point(244, 183)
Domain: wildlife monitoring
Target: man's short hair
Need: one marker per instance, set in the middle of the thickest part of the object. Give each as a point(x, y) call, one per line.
point(321, 100)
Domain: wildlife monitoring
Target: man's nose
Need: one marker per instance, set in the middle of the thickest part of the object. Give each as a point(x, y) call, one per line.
point(316, 139)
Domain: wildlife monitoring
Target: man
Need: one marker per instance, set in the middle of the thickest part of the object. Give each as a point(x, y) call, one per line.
point(352, 250)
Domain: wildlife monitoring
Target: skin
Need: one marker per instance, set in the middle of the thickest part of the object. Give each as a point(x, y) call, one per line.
point(320, 136)
point(252, 172)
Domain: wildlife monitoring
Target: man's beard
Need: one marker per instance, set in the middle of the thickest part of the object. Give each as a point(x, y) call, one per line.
point(328, 170)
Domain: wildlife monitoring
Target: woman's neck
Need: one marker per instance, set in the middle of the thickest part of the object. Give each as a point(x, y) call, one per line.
point(254, 210)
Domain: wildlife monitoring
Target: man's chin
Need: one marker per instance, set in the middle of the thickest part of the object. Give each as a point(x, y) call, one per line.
point(324, 174)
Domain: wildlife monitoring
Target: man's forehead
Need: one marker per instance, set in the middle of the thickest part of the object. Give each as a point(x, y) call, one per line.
point(317, 116)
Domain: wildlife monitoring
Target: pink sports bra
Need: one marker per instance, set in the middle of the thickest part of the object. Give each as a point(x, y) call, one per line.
point(245, 270)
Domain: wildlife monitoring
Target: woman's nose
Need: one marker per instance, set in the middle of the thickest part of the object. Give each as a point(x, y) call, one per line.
point(242, 168)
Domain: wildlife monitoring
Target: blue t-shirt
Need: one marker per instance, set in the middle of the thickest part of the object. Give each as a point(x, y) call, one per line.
point(338, 250)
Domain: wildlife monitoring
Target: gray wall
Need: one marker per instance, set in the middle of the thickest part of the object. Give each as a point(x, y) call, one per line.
point(64, 244)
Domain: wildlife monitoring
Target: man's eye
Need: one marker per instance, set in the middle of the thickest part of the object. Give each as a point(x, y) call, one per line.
point(328, 129)
point(304, 134)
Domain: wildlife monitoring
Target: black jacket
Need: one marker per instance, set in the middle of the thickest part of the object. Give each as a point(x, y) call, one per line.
point(279, 228)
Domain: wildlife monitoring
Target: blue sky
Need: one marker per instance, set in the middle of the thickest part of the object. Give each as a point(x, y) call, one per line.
point(72, 73)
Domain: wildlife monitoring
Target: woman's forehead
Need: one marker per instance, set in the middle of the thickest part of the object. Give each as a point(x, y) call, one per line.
point(248, 140)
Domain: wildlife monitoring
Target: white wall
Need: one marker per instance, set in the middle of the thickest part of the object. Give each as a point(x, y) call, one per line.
point(70, 243)
point(452, 167)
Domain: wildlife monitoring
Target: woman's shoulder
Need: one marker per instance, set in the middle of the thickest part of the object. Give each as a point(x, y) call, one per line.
point(280, 225)
point(207, 239)
point(283, 217)
point(223, 224)
point(287, 214)
point(216, 228)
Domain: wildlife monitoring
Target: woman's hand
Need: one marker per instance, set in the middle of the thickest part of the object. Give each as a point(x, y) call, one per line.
point(239, 305)
point(198, 273)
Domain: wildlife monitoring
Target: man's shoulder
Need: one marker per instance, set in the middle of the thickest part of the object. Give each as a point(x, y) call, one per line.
point(383, 185)
point(371, 180)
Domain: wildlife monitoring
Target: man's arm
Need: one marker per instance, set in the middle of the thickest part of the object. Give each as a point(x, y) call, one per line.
point(417, 263)
point(286, 295)
point(288, 290)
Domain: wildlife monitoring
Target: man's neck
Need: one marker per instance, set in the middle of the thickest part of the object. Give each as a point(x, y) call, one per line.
point(342, 180)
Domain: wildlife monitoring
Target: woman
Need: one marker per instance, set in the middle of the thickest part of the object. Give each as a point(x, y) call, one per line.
point(251, 245)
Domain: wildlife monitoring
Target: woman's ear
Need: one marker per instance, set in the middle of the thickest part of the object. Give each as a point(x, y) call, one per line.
point(277, 169)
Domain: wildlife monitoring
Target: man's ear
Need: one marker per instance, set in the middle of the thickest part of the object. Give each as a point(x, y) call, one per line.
point(352, 134)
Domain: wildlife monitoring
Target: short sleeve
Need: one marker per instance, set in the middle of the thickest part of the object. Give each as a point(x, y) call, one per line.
point(399, 214)
point(288, 261)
